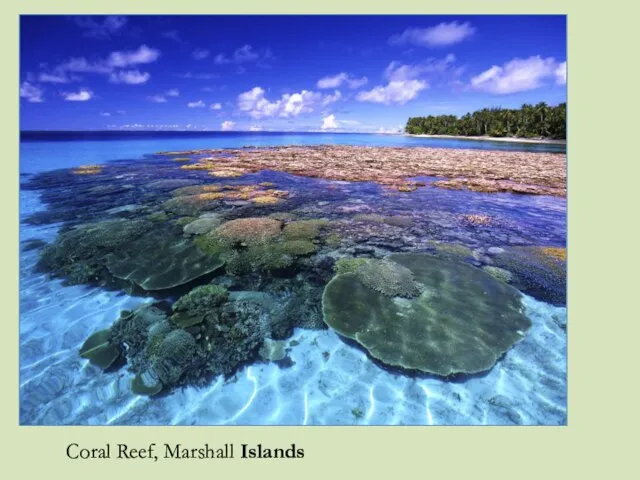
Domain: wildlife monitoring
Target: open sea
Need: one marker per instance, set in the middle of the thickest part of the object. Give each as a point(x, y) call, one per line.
point(323, 379)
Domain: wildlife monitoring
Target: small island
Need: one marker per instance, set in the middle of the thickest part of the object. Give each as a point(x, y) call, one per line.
point(530, 123)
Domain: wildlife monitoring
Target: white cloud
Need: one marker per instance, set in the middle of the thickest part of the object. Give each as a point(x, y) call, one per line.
point(329, 122)
point(519, 75)
point(399, 92)
point(441, 35)
point(110, 66)
point(397, 71)
point(255, 128)
point(561, 74)
point(255, 103)
point(337, 80)
point(31, 93)
point(130, 77)
point(105, 114)
point(82, 65)
point(215, 106)
point(111, 25)
point(157, 99)
point(197, 76)
point(405, 81)
point(129, 58)
point(56, 77)
point(198, 104)
point(82, 95)
point(174, 92)
point(244, 54)
point(227, 125)
point(200, 54)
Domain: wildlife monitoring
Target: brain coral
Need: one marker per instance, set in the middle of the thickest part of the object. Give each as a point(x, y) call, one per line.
point(463, 320)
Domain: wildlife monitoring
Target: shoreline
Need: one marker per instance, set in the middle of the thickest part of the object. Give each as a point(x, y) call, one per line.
point(491, 139)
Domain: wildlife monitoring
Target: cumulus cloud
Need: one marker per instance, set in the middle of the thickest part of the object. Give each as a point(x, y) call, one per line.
point(105, 114)
point(56, 77)
point(198, 104)
point(329, 122)
point(114, 66)
point(130, 77)
point(561, 74)
point(129, 58)
point(255, 103)
point(255, 128)
point(399, 92)
point(227, 125)
point(200, 54)
point(335, 81)
point(244, 54)
point(157, 99)
point(82, 95)
point(519, 75)
point(31, 93)
point(104, 29)
point(440, 35)
point(405, 81)
point(174, 92)
point(215, 106)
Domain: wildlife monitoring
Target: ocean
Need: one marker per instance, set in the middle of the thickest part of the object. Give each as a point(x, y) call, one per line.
point(322, 378)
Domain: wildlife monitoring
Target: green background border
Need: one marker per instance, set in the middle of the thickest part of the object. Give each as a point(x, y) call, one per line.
point(603, 317)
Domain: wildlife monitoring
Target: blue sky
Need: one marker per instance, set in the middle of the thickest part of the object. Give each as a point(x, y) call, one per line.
point(281, 73)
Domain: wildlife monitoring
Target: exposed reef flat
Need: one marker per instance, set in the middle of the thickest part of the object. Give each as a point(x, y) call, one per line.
point(479, 170)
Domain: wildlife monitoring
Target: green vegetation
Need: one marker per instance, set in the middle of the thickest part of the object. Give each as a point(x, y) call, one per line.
point(528, 121)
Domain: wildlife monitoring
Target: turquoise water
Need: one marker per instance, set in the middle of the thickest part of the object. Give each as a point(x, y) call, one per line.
point(326, 381)
point(48, 151)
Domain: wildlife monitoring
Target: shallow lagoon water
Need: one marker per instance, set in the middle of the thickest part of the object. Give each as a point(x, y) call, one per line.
point(327, 381)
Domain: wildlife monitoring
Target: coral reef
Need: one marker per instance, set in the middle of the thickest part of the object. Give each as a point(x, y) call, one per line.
point(88, 169)
point(479, 170)
point(99, 350)
point(79, 255)
point(348, 265)
point(462, 322)
point(158, 260)
point(193, 308)
point(248, 231)
point(389, 278)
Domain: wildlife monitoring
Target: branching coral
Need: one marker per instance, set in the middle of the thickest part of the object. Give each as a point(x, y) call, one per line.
point(388, 278)
point(304, 229)
point(348, 265)
point(248, 231)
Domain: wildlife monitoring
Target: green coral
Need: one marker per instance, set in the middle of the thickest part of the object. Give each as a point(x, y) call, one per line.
point(304, 229)
point(192, 308)
point(174, 356)
point(389, 278)
point(99, 349)
point(248, 231)
point(160, 260)
point(299, 247)
point(80, 254)
point(182, 221)
point(158, 217)
point(348, 265)
point(462, 322)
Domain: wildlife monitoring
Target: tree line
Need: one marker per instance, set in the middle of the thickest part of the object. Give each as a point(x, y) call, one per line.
point(528, 121)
